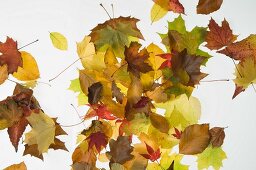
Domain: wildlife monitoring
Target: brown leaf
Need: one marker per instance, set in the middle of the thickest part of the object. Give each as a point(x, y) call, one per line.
point(136, 59)
point(94, 94)
point(83, 166)
point(159, 122)
point(241, 49)
point(33, 151)
point(238, 90)
point(219, 37)
point(3, 73)
point(88, 156)
point(217, 136)
point(10, 55)
point(85, 81)
point(16, 131)
point(194, 139)
point(116, 92)
point(58, 144)
point(20, 166)
point(190, 64)
point(120, 150)
point(208, 6)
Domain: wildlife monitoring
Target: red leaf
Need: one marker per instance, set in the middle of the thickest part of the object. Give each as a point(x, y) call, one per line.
point(219, 37)
point(176, 6)
point(10, 55)
point(97, 139)
point(152, 155)
point(142, 102)
point(166, 63)
point(101, 111)
point(177, 133)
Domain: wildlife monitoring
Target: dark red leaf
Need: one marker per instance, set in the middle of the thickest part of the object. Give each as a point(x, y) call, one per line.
point(97, 139)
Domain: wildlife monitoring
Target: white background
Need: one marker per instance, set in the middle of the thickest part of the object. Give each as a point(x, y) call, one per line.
point(28, 20)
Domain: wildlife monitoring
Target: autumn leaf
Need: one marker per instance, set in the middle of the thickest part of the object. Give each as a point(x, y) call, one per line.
point(33, 151)
point(59, 41)
point(219, 37)
point(136, 59)
point(97, 139)
point(42, 133)
point(159, 122)
point(238, 90)
point(187, 68)
point(115, 33)
point(116, 92)
point(241, 49)
point(177, 133)
point(10, 55)
point(76, 88)
point(20, 166)
point(152, 154)
point(167, 63)
point(208, 6)
point(94, 94)
point(246, 72)
point(211, 157)
point(3, 73)
point(217, 136)
point(29, 70)
point(161, 7)
point(101, 111)
point(10, 113)
point(194, 139)
point(120, 150)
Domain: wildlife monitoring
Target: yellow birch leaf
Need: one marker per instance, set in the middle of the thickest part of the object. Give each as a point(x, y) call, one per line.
point(59, 41)
point(157, 12)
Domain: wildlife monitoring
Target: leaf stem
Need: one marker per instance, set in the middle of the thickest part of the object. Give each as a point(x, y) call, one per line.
point(29, 44)
point(220, 80)
point(105, 10)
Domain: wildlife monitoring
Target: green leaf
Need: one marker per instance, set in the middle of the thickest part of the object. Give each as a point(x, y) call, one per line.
point(211, 157)
point(59, 41)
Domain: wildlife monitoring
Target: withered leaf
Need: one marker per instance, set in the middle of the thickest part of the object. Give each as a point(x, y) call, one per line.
point(194, 139)
point(116, 92)
point(217, 136)
point(94, 94)
point(33, 151)
point(219, 37)
point(136, 59)
point(159, 122)
point(10, 55)
point(120, 150)
point(208, 6)
point(185, 65)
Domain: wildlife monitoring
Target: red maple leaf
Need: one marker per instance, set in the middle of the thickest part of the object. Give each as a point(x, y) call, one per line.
point(152, 155)
point(101, 111)
point(97, 139)
point(142, 102)
point(10, 55)
point(177, 133)
point(166, 63)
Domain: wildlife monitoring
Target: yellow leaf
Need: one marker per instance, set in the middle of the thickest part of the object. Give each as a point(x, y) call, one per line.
point(29, 71)
point(20, 166)
point(157, 12)
point(42, 133)
point(3, 73)
point(59, 41)
point(90, 59)
point(246, 72)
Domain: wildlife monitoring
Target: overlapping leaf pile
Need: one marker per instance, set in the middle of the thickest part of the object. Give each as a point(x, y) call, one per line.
point(140, 98)
point(125, 85)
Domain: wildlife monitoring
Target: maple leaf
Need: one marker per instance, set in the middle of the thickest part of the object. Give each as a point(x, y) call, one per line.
point(241, 49)
point(187, 68)
point(136, 59)
point(101, 111)
point(152, 154)
point(120, 150)
point(211, 157)
point(208, 6)
point(194, 139)
point(217, 136)
point(98, 140)
point(94, 94)
point(59, 41)
point(177, 133)
point(20, 166)
point(10, 55)
point(42, 133)
point(33, 151)
point(167, 63)
point(115, 33)
point(219, 37)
